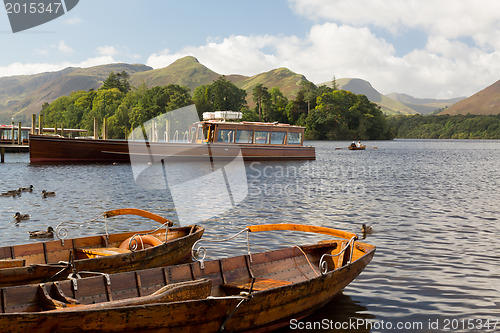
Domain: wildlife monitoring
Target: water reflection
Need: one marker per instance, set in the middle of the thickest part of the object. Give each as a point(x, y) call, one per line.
point(435, 207)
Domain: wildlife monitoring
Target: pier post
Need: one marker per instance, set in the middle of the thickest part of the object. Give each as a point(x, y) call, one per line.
point(96, 130)
point(62, 129)
point(33, 124)
point(19, 134)
point(40, 125)
point(105, 129)
point(2, 155)
point(12, 137)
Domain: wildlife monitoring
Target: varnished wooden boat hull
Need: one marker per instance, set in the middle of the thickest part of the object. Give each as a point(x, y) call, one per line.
point(40, 259)
point(289, 286)
point(47, 149)
point(357, 148)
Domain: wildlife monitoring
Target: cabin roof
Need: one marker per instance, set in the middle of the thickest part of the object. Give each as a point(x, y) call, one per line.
point(248, 124)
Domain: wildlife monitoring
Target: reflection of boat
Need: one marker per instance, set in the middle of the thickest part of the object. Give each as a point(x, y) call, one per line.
point(56, 259)
point(211, 138)
point(261, 291)
point(357, 148)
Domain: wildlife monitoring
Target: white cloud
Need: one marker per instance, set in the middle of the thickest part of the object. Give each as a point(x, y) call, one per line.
point(107, 50)
point(75, 20)
point(448, 18)
point(35, 68)
point(64, 48)
point(443, 68)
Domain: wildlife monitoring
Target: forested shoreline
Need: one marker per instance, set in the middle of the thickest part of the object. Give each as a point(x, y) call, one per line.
point(446, 126)
point(326, 113)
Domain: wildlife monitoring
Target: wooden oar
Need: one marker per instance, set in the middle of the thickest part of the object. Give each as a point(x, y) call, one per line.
point(340, 148)
point(372, 147)
point(302, 227)
point(138, 212)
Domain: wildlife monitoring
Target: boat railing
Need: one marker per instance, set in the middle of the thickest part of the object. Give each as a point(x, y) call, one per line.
point(199, 252)
point(323, 265)
point(61, 230)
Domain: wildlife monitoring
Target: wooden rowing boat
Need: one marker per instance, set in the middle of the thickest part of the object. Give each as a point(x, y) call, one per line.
point(356, 147)
point(258, 292)
point(109, 253)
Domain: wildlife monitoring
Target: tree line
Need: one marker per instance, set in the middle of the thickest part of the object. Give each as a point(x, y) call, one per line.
point(326, 113)
point(446, 126)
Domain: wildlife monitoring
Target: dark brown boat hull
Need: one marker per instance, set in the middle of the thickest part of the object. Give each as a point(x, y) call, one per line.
point(266, 310)
point(172, 252)
point(50, 149)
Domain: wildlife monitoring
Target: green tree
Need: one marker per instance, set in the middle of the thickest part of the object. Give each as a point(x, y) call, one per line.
point(262, 98)
point(118, 80)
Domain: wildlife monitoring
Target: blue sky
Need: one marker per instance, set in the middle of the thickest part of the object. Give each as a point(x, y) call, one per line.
point(426, 48)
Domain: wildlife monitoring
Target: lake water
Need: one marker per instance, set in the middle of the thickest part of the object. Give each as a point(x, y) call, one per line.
point(434, 206)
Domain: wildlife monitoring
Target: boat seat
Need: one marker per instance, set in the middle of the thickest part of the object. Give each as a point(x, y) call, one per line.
point(10, 263)
point(258, 284)
point(95, 252)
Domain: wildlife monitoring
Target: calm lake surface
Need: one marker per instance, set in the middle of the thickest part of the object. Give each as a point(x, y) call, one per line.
point(434, 206)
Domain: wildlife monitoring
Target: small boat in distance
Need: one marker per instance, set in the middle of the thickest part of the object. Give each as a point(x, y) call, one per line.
point(110, 253)
point(253, 292)
point(362, 147)
point(216, 137)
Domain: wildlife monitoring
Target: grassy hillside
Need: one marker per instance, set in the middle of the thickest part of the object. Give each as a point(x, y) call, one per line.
point(424, 105)
point(21, 96)
point(358, 86)
point(186, 72)
point(190, 73)
point(485, 102)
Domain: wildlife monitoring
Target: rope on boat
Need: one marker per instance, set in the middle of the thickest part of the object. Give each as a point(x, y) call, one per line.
point(305, 255)
point(243, 297)
point(62, 233)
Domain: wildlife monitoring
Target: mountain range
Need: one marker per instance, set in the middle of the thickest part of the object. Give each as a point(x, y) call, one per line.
point(21, 96)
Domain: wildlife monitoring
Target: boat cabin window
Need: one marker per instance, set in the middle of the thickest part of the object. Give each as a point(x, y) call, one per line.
point(225, 135)
point(199, 135)
point(192, 135)
point(294, 138)
point(244, 136)
point(277, 138)
point(261, 137)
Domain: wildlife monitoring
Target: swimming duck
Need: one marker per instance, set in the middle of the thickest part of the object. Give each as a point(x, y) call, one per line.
point(42, 234)
point(12, 193)
point(366, 229)
point(26, 189)
point(19, 217)
point(48, 194)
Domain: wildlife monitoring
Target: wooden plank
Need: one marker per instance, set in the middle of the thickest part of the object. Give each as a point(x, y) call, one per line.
point(303, 228)
point(138, 283)
point(256, 284)
point(10, 263)
point(235, 268)
point(57, 252)
point(179, 273)
point(5, 252)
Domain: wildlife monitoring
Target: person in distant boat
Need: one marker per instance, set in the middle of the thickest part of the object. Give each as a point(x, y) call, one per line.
point(358, 144)
point(353, 144)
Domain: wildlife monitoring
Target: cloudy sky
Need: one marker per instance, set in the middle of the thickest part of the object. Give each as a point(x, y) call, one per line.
point(425, 48)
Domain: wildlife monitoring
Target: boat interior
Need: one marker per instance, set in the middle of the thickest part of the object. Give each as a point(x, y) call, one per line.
point(229, 276)
point(56, 251)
